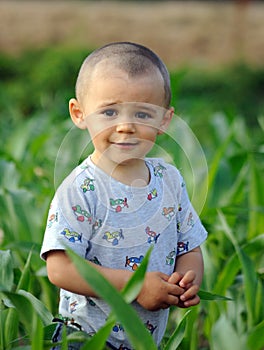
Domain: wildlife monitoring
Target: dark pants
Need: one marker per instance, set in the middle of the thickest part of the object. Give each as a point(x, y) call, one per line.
point(57, 336)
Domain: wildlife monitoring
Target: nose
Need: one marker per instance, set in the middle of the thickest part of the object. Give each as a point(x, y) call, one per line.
point(125, 125)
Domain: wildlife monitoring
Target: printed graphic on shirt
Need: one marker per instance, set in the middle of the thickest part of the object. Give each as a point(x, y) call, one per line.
point(88, 185)
point(170, 258)
point(153, 236)
point(152, 194)
point(91, 302)
point(84, 166)
point(168, 212)
point(158, 170)
point(121, 347)
point(68, 322)
point(182, 247)
point(87, 250)
point(117, 328)
point(118, 204)
point(82, 215)
point(95, 261)
point(96, 225)
point(72, 236)
point(52, 218)
point(73, 306)
point(150, 327)
point(134, 262)
point(113, 237)
point(190, 221)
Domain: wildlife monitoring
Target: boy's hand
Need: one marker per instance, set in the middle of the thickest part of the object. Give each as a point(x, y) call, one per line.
point(158, 293)
point(189, 297)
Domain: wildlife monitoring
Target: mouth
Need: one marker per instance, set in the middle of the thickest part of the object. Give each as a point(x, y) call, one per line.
point(125, 145)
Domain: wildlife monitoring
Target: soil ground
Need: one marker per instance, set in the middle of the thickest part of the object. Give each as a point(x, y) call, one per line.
point(197, 33)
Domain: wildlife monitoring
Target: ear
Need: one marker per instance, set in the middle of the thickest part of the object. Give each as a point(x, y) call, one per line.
point(166, 121)
point(76, 113)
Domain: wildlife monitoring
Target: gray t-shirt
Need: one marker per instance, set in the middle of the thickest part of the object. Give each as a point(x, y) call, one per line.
point(113, 224)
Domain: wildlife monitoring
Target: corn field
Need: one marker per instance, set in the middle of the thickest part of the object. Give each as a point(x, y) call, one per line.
point(223, 115)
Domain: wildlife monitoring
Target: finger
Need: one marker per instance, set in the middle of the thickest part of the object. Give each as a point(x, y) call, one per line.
point(192, 302)
point(190, 293)
point(164, 276)
point(174, 289)
point(175, 278)
point(172, 300)
point(187, 278)
point(188, 303)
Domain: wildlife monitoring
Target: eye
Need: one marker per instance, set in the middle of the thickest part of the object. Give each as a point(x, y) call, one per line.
point(109, 112)
point(143, 115)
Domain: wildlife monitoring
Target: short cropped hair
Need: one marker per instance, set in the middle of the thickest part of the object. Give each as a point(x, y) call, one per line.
point(135, 59)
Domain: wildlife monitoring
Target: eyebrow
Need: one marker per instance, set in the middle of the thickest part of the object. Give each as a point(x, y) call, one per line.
point(147, 108)
point(141, 105)
point(109, 104)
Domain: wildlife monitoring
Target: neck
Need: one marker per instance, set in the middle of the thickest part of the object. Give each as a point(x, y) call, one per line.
point(133, 172)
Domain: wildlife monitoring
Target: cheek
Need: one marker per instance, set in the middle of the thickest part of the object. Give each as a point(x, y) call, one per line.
point(98, 139)
point(149, 134)
point(98, 131)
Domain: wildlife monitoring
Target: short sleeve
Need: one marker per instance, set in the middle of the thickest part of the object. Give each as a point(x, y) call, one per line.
point(191, 232)
point(69, 223)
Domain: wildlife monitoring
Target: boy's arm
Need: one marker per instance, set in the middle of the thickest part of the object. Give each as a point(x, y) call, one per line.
point(63, 274)
point(191, 268)
point(156, 292)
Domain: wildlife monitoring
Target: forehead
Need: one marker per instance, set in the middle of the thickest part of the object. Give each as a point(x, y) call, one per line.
point(110, 66)
point(108, 71)
point(109, 85)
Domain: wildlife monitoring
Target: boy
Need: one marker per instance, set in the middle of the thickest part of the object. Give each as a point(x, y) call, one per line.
point(117, 203)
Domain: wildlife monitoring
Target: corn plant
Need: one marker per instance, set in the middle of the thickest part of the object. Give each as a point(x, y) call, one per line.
point(231, 312)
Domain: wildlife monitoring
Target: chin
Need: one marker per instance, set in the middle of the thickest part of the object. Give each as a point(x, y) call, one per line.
point(129, 161)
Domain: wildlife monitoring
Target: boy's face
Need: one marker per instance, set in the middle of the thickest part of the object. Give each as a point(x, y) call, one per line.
point(122, 114)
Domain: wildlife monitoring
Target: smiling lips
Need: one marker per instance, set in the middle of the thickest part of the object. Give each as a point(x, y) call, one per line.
point(125, 143)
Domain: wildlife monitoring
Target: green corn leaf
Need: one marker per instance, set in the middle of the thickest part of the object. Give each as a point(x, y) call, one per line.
point(215, 163)
point(135, 283)
point(6, 271)
point(49, 330)
point(255, 339)
point(64, 345)
point(210, 296)
point(3, 315)
point(10, 326)
point(97, 342)
point(9, 175)
point(259, 305)
point(129, 293)
point(27, 306)
point(24, 280)
point(40, 309)
point(227, 275)
point(127, 316)
point(256, 199)
point(232, 266)
point(224, 335)
point(24, 309)
point(20, 223)
point(37, 333)
point(178, 334)
point(248, 269)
